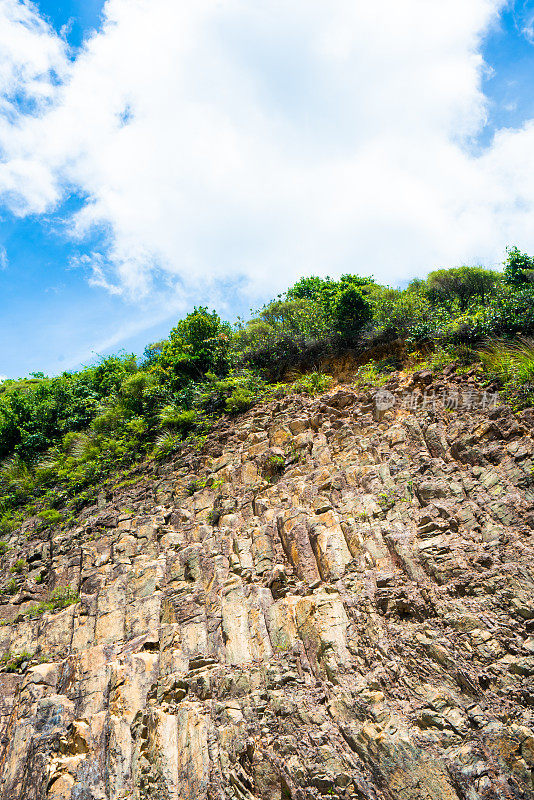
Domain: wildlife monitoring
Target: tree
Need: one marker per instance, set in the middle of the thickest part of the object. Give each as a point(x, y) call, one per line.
point(197, 345)
point(517, 267)
point(351, 312)
point(325, 290)
point(151, 353)
point(464, 284)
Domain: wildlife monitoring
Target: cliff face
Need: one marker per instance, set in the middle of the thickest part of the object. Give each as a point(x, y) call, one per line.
point(331, 600)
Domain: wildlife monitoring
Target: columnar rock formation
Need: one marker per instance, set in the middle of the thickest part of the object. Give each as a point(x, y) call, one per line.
point(329, 600)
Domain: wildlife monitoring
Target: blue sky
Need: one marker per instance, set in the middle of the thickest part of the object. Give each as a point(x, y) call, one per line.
point(76, 17)
point(509, 52)
point(212, 155)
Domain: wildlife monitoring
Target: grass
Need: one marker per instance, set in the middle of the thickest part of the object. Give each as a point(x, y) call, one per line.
point(50, 517)
point(126, 483)
point(370, 375)
point(314, 383)
point(59, 599)
point(213, 517)
point(274, 467)
point(195, 486)
point(461, 355)
point(512, 364)
point(12, 662)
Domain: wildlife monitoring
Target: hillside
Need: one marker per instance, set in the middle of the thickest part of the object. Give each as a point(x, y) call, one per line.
point(62, 438)
point(281, 560)
point(332, 597)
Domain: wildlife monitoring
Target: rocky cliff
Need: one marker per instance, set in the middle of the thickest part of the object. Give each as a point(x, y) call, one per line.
point(331, 599)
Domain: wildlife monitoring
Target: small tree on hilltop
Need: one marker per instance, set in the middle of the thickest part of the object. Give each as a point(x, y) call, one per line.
point(197, 345)
point(351, 312)
point(517, 267)
point(466, 285)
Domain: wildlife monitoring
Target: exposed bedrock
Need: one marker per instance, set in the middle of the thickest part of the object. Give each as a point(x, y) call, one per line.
point(359, 626)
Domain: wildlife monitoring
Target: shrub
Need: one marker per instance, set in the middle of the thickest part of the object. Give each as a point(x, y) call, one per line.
point(273, 467)
point(36, 411)
point(195, 486)
point(134, 386)
point(517, 267)
point(197, 345)
point(19, 566)
point(151, 354)
point(12, 662)
point(369, 375)
point(313, 383)
point(240, 400)
point(109, 420)
point(442, 356)
point(462, 284)
point(287, 326)
point(509, 314)
point(325, 290)
point(388, 365)
point(283, 327)
point(351, 312)
point(236, 393)
point(293, 318)
point(396, 312)
point(59, 599)
point(178, 420)
point(50, 517)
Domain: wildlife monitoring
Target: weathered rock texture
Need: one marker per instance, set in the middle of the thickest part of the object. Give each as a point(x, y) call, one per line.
point(341, 606)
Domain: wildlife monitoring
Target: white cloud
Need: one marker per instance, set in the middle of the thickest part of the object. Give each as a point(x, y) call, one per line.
point(526, 23)
point(224, 139)
point(31, 54)
point(4, 260)
point(33, 64)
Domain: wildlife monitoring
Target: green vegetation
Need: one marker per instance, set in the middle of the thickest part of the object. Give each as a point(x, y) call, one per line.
point(464, 285)
point(50, 516)
point(61, 438)
point(274, 467)
point(313, 383)
point(512, 364)
point(195, 486)
point(59, 599)
point(519, 268)
point(19, 566)
point(372, 374)
point(12, 662)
